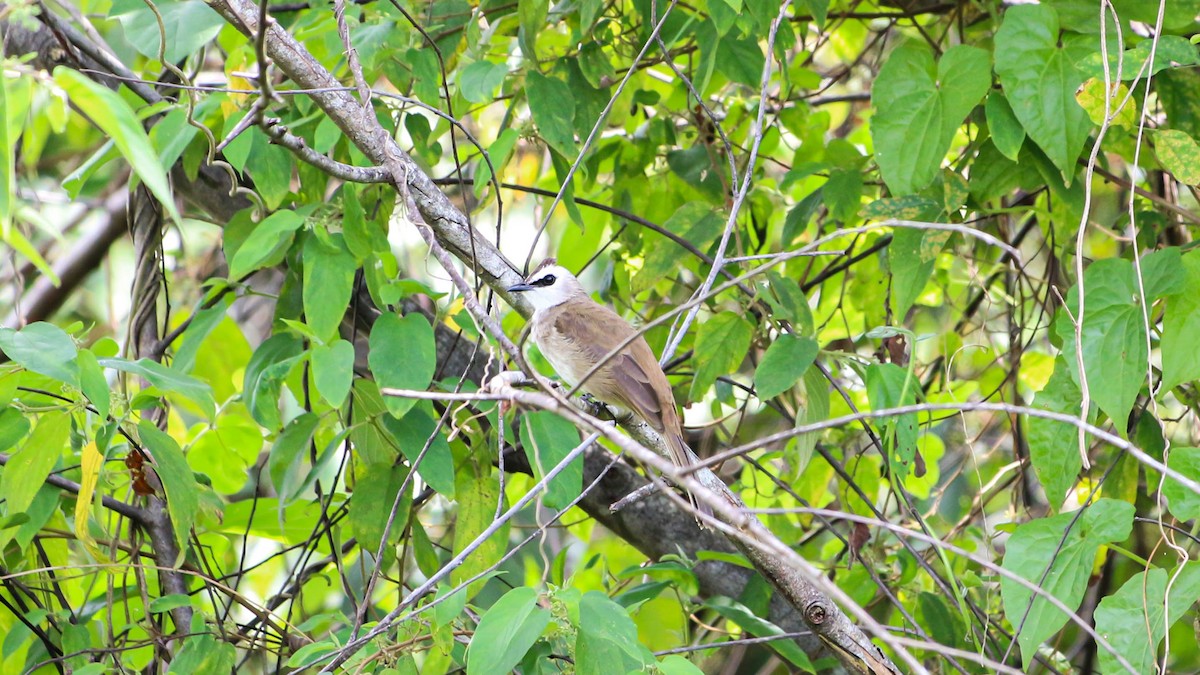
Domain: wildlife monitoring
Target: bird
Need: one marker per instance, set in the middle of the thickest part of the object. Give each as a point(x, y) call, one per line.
point(575, 333)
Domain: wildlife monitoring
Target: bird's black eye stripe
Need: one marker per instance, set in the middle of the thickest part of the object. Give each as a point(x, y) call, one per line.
point(544, 281)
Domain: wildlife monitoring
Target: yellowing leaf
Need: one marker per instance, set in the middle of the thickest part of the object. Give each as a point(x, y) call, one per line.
point(90, 462)
point(1179, 154)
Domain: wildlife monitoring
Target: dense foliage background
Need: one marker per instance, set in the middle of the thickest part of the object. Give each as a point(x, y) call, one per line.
point(217, 254)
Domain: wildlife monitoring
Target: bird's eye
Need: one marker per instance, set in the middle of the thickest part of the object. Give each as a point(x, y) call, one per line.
point(548, 279)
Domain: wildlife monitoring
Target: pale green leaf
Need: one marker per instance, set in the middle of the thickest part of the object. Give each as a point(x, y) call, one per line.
point(507, 630)
point(1067, 548)
point(118, 121)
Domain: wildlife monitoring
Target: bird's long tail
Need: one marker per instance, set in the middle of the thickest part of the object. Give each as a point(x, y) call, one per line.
point(683, 456)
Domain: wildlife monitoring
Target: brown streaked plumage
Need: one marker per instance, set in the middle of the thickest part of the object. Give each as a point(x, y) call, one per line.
point(575, 333)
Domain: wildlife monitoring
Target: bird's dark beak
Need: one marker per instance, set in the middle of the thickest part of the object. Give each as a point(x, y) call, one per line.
point(520, 288)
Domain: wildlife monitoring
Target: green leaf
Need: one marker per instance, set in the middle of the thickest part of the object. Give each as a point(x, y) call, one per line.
point(168, 380)
point(919, 108)
point(13, 427)
point(1170, 51)
point(547, 439)
point(1040, 80)
point(722, 343)
point(42, 348)
point(202, 653)
point(1162, 273)
point(1179, 154)
point(92, 382)
point(167, 603)
point(843, 193)
point(1184, 504)
point(478, 495)
point(333, 371)
point(890, 386)
point(498, 153)
point(266, 244)
point(479, 81)
point(506, 632)
point(310, 654)
point(364, 236)
point(412, 432)
point(28, 468)
point(741, 59)
point(910, 258)
point(595, 66)
point(1181, 325)
point(186, 26)
point(183, 492)
point(1054, 445)
point(1132, 619)
point(532, 14)
point(285, 462)
point(328, 281)
point(271, 166)
point(739, 614)
point(607, 639)
point(787, 302)
point(204, 322)
point(696, 222)
point(1114, 337)
point(696, 167)
point(402, 356)
point(375, 490)
point(265, 372)
point(117, 120)
point(1007, 133)
point(784, 364)
point(553, 108)
point(1046, 543)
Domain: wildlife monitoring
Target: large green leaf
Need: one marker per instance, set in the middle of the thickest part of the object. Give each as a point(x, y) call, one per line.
point(328, 281)
point(757, 626)
point(890, 386)
point(27, 468)
point(202, 653)
point(263, 381)
point(375, 490)
point(697, 223)
point(43, 348)
point(784, 364)
point(1132, 619)
point(186, 26)
point(1040, 79)
point(547, 439)
point(118, 121)
point(1183, 502)
point(507, 630)
point(402, 356)
point(1114, 333)
point(285, 459)
point(333, 370)
point(919, 107)
point(411, 433)
point(478, 495)
point(1181, 325)
point(607, 640)
point(553, 108)
point(1054, 445)
point(721, 344)
point(265, 245)
point(1046, 544)
point(183, 492)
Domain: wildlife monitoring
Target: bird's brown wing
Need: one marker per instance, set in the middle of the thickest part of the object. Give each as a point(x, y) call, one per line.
point(643, 390)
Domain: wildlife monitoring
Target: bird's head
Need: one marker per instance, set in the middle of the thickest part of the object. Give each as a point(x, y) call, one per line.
point(549, 286)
